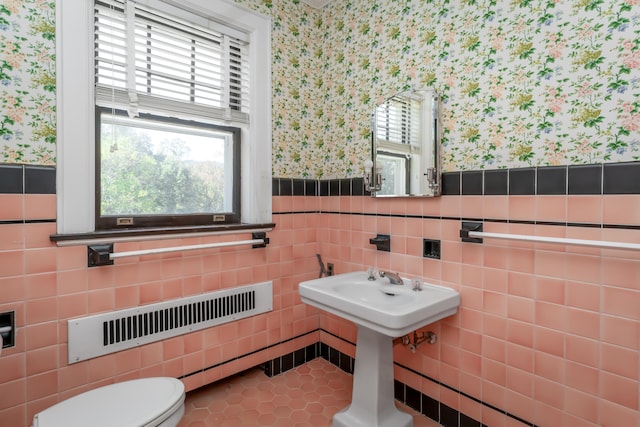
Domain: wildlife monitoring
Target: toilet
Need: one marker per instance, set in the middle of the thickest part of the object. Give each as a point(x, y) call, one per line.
point(147, 402)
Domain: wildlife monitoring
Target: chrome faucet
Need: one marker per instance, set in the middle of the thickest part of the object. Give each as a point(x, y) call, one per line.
point(394, 278)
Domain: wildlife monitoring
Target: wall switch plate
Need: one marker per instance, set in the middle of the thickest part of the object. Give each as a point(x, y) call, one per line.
point(431, 248)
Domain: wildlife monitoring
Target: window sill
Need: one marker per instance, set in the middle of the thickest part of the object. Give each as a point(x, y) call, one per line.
point(164, 233)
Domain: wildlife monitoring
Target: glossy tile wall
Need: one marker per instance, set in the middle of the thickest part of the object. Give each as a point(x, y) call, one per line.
point(547, 334)
point(46, 285)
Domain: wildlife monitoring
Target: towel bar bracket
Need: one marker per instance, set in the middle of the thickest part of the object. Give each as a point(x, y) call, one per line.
point(260, 235)
point(470, 226)
point(99, 255)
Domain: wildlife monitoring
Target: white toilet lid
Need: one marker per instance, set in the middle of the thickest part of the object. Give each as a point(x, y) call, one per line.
point(135, 403)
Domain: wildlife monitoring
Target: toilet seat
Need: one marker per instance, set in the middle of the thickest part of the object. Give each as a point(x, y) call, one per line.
point(144, 402)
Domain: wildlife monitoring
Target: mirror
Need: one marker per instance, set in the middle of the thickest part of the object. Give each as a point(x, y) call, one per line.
point(405, 138)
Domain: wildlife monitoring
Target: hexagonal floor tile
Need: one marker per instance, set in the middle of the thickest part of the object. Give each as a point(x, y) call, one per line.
point(295, 398)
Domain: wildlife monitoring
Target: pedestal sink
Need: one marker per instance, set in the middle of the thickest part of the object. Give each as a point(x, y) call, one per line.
point(381, 312)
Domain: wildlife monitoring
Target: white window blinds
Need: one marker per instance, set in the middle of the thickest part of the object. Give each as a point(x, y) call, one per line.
point(172, 64)
point(398, 120)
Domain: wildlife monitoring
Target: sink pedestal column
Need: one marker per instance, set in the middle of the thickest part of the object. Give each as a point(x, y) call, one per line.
point(372, 401)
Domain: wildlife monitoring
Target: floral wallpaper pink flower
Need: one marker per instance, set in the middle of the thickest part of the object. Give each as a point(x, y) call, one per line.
point(27, 82)
point(523, 82)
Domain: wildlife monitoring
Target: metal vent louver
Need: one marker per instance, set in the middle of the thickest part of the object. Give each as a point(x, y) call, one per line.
point(106, 333)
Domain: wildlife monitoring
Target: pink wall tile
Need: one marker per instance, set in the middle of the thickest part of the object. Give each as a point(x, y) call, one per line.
point(520, 381)
point(581, 405)
point(12, 207)
point(41, 310)
point(623, 273)
point(12, 237)
point(495, 280)
point(613, 414)
point(620, 360)
point(551, 264)
point(549, 392)
point(41, 335)
point(583, 350)
point(496, 257)
point(521, 333)
point(621, 302)
point(583, 268)
point(550, 366)
point(550, 289)
point(40, 260)
point(37, 235)
point(496, 207)
point(549, 341)
point(551, 208)
point(583, 323)
point(40, 206)
point(621, 209)
point(582, 295)
point(521, 207)
point(584, 209)
point(101, 300)
point(582, 377)
point(40, 285)
point(73, 305)
point(42, 385)
point(513, 327)
point(620, 390)
point(620, 331)
point(520, 405)
point(521, 260)
point(13, 263)
point(41, 360)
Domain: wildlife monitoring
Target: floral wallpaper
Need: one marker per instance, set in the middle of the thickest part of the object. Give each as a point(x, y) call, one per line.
point(523, 82)
point(27, 82)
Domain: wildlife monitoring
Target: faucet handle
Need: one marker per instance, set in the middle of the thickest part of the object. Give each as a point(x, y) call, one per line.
point(372, 274)
point(416, 284)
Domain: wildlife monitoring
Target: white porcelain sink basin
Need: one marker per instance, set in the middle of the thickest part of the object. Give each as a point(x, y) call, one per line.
point(392, 310)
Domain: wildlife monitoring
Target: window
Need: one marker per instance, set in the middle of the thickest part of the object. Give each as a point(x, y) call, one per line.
point(186, 107)
point(159, 68)
point(186, 173)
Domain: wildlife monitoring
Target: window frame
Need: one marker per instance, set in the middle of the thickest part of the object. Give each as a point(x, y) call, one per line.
point(76, 172)
point(116, 222)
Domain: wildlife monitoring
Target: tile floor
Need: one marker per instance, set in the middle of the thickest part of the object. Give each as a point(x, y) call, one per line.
point(308, 395)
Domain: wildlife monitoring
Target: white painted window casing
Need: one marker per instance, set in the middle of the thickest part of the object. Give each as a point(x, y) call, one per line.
point(76, 121)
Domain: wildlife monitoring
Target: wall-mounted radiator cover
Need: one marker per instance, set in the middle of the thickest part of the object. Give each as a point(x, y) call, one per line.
point(106, 333)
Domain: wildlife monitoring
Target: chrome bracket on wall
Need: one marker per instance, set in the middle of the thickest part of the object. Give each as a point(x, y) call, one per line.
point(466, 228)
point(100, 255)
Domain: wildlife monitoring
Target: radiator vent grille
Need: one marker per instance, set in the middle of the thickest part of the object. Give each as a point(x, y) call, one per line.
point(106, 333)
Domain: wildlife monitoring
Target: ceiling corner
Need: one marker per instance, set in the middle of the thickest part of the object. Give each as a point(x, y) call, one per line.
point(318, 4)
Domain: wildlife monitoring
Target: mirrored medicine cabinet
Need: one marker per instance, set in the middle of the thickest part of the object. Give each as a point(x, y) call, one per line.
point(405, 146)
